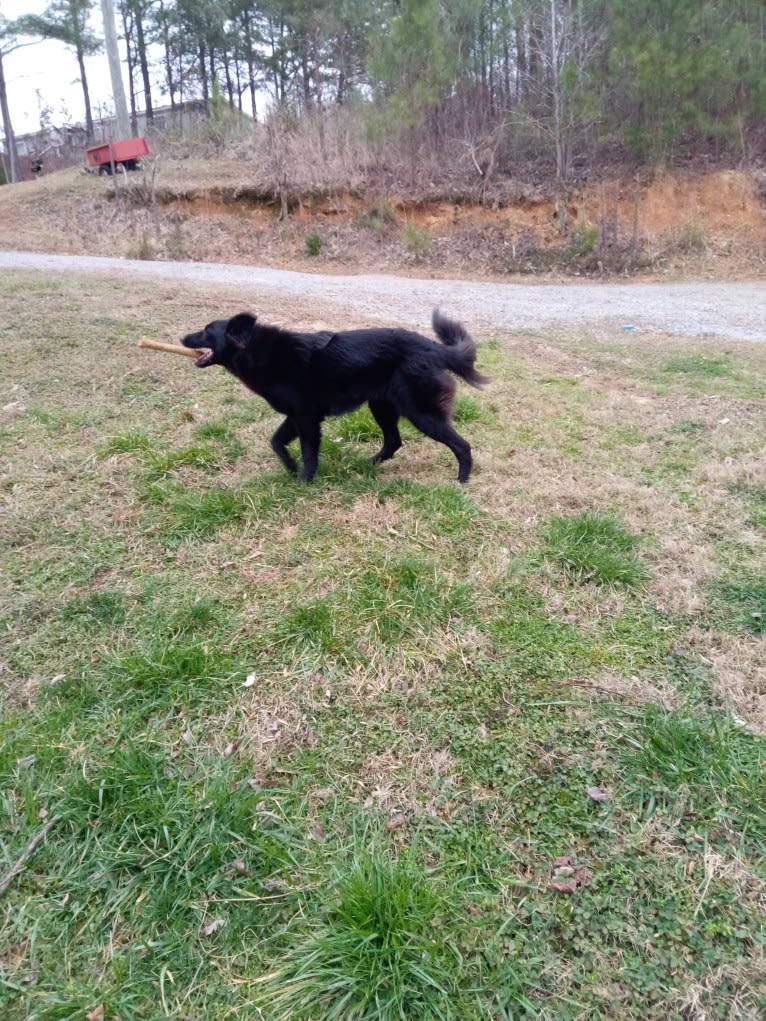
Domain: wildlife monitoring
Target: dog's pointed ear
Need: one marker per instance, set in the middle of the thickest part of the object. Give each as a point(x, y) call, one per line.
point(240, 327)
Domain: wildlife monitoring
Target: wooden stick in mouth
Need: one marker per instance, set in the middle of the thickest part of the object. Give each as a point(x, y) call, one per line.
point(173, 349)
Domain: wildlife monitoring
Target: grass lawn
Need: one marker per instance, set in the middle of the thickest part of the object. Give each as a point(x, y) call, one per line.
point(379, 747)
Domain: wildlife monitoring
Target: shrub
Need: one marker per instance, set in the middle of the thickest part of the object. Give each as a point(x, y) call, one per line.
point(378, 216)
point(585, 240)
point(417, 240)
point(691, 239)
point(314, 243)
point(143, 249)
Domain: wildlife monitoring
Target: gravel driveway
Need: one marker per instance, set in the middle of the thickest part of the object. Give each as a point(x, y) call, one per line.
point(733, 310)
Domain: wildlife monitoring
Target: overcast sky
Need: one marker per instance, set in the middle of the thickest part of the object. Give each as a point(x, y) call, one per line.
point(50, 69)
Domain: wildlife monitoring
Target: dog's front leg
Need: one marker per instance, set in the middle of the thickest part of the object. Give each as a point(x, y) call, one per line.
point(285, 434)
point(310, 436)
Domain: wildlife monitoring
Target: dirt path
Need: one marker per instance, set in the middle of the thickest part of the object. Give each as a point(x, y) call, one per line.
point(732, 310)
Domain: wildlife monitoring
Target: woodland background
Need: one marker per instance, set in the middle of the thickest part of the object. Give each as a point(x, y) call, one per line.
point(540, 89)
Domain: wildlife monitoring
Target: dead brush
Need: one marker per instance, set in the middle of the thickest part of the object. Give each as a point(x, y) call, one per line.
point(294, 157)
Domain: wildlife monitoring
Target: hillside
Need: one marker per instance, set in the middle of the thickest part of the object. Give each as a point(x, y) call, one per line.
point(215, 210)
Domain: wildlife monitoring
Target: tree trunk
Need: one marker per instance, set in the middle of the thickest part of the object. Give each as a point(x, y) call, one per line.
point(85, 93)
point(203, 76)
point(228, 80)
point(170, 80)
point(252, 88)
point(10, 139)
point(144, 65)
point(132, 60)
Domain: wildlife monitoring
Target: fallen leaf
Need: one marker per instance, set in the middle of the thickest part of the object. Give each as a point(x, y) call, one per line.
point(249, 680)
point(17, 951)
point(317, 833)
point(396, 822)
point(562, 887)
point(214, 926)
point(240, 866)
point(14, 409)
point(565, 859)
point(568, 877)
point(597, 794)
point(97, 1014)
point(564, 871)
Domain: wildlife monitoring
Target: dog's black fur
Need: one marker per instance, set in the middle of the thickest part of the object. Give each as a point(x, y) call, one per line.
point(309, 376)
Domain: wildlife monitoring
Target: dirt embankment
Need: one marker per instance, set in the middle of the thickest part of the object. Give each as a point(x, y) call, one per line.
point(613, 225)
point(722, 208)
point(702, 222)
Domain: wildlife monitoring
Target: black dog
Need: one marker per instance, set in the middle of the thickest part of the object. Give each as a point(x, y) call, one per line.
point(308, 376)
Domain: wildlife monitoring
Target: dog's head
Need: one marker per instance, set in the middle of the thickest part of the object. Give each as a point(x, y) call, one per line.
point(221, 340)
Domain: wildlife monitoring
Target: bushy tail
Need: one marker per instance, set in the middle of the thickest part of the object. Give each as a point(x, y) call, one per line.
point(461, 348)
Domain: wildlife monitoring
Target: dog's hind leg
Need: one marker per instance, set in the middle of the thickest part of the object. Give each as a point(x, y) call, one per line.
point(441, 431)
point(387, 417)
point(285, 434)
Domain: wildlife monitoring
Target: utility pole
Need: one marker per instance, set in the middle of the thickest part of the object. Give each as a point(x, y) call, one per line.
point(115, 69)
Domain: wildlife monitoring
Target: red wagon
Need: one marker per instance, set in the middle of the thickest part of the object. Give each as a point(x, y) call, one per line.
point(126, 152)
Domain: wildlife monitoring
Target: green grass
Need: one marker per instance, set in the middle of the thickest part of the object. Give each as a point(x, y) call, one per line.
point(357, 427)
point(698, 365)
point(319, 751)
point(712, 760)
point(375, 955)
point(595, 547)
point(754, 498)
point(744, 602)
point(189, 514)
point(385, 603)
